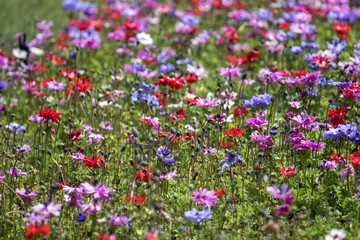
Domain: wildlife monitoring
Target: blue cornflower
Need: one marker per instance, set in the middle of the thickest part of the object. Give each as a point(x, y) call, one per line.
point(261, 100)
point(232, 157)
point(198, 216)
point(296, 49)
point(264, 14)
point(310, 45)
point(184, 61)
point(81, 217)
point(3, 85)
point(15, 127)
point(167, 67)
point(190, 20)
point(274, 132)
point(146, 87)
point(164, 151)
point(288, 35)
point(169, 159)
point(336, 46)
point(139, 67)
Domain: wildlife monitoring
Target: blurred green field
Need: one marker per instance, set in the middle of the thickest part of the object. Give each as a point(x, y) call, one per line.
point(22, 15)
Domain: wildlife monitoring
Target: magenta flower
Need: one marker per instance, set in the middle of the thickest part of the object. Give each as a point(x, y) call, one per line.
point(16, 171)
point(230, 72)
point(98, 191)
point(314, 146)
point(106, 125)
point(95, 137)
point(169, 176)
point(281, 194)
point(24, 149)
point(306, 121)
point(24, 193)
point(207, 102)
point(210, 151)
point(119, 220)
point(205, 197)
point(92, 207)
point(284, 209)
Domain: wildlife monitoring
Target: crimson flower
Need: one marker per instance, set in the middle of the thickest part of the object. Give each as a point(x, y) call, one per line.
point(234, 132)
point(227, 144)
point(178, 114)
point(355, 160)
point(48, 115)
point(337, 116)
point(136, 199)
point(288, 171)
point(143, 175)
point(219, 193)
point(92, 161)
point(74, 135)
point(35, 229)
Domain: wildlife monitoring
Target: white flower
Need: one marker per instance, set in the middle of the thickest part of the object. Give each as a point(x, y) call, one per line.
point(36, 51)
point(144, 38)
point(336, 234)
point(18, 53)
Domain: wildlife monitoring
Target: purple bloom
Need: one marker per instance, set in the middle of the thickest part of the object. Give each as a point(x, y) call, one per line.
point(24, 193)
point(98, 191)
point(167, 67)
point(164, 151)
point(346, 172)
point(139, 67)
point(119, 220)
point(336, 46)
point(306, 121)
point(305, 144)
point(81, 217)
point(42, 212)
point(205, 197)
point(207, 102)
point(230, 72)
point(168, 176)
point(16, 171)
point(106, 125)
point(95, 137)
point(210, 151)
point(198, 216)
point(169, 159)
point(281, 194)
point(284, 209)
point(55, 85)
point(261, 100)
point(92, 207)
point(15, 127)
point(232, 157)
point(296, 49)
point(328, 164)
point(3, 85)
point(24, 149)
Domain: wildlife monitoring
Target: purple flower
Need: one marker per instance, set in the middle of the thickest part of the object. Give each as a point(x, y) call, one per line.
point(305, 144)
point(98, 191)
point(328, 164)
point(106, 125)
point(81, 217)
point(296, 49)
point(207, 102)
point(232, 157)
point(169, 159)
point(15, 127)
point(24, 193)
point(167, 67)
point(95, 137)
point(346, 172)
point(306, 121)
point(205, 197)
point(119, 220)
point(210, 151)
point(42, 212)
point(16, 171)
point(336, 46)
point(55, 85)
point(3, 85)
point(281, 194)
point(230, 72)
point(168, 176)
point(24, 149)
point(164, 151)
point(284, 209)
point(261, 100)
point(92, 207)
point(139, 67)
point(198, 216)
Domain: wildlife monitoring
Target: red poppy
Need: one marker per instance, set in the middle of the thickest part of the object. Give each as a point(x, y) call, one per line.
point(93, 161)
point(342, 30)
point(82, 85)
point(337, 116)
point(70, 74)
point(150, 236)
point(172, 82)
point(219, 193)
point(288, 171)
point(244, 111)
point(227, 144)
point(35, 229)
point(191, 101)
point(74, 135)
point(179, 114)
point(39, 68)
point(321, 61)
point(107, 237)
point(234, 132)
point(48, 115)
point(338, 158)
point(136, 199)
point(143, 175)
point(191, 78)
point(355, 160)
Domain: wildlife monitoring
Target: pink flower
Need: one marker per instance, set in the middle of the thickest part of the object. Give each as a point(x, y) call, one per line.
point(24, 193)
point(207, 102)
point(205, 197)
point(295, 104)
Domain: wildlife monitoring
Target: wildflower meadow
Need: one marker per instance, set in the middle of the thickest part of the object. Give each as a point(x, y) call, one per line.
point(182, 119)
